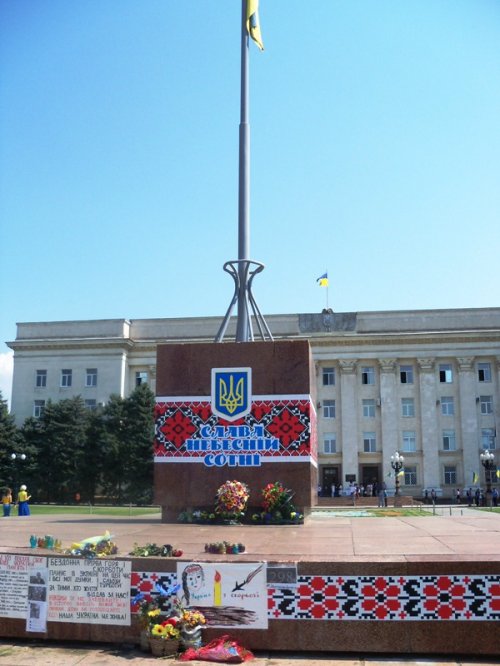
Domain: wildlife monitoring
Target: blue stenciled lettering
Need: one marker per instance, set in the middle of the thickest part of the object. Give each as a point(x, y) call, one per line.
point(232, 460)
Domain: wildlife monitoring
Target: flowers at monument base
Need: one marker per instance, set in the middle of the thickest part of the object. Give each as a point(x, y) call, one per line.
point(166, 630)
point(153, 550)
point(96, 546)
point(231, 500)
point(190, 618)
point(277, 506)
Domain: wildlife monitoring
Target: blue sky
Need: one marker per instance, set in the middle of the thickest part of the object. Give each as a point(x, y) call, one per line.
point(375, 149)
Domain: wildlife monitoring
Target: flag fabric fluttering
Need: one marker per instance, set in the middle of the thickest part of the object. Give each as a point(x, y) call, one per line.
point(323, 280)
point(475, 478)
point(253, 25)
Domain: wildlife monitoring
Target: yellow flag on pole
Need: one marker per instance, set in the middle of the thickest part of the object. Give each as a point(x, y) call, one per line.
point(253, 25)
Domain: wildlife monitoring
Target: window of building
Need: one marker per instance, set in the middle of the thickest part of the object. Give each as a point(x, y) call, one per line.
point(38, 407)
point(409, 441)
point(406, 374)
point(368, 375)
point(91, 377)
point(445, 373)
point(486, 402)
point(369, 442)
point(41, 378)
point(329, 409)
point(407, 407)
point(141, 377)
point(66, 378)
point(330, 442)
point(449, 440)
point(447, 406)
point(410, 477)
point(91, 404)
point(369, 409)
point(450, 475)
point(328, 376)
point(484, 372)
point(488, 438)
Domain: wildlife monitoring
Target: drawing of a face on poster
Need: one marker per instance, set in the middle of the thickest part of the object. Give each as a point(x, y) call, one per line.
point(193, 584)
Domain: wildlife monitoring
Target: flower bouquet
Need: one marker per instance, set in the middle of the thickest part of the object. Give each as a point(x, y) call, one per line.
point(231, 500)
point(277, 506)
point(164, 637)
point(191, 622)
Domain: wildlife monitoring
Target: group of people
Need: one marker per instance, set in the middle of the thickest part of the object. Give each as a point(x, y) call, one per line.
point(479, 498)
point(23, 507)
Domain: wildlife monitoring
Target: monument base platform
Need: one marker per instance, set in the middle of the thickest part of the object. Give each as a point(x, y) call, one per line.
point(414, 585)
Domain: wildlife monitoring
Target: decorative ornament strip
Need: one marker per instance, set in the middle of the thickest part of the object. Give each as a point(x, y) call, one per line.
point(375, 598)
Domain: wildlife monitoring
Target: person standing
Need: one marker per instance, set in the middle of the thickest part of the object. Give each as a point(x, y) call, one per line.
point(6, 501)
point(23, 508)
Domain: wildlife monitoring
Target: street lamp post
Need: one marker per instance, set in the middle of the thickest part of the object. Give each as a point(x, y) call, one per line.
point(17, 458)
point(397, 463)
point(488, 462)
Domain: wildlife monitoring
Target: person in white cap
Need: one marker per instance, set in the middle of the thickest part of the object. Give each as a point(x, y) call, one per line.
point(23, 508)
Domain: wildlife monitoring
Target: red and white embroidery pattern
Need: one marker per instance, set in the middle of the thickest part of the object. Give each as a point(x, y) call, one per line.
point(289, 420)
point(374, 598)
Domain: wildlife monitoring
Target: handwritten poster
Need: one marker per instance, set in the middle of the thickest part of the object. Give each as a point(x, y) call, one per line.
point(90, 591)
point(15, 573)
point(229, 595)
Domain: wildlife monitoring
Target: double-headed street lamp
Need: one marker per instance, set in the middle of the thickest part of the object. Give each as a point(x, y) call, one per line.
point(397, 464)
point(488, 462)
point(17, 458)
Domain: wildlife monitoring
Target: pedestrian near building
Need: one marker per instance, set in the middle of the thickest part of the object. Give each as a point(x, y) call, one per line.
point(23, 508)
point(6, 501)
point(458, 496)
point(382, 495)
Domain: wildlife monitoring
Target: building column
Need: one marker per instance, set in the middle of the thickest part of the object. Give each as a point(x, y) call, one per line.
point(468, 418)
point(431, 476)
point(389, 413)
point(349, 418)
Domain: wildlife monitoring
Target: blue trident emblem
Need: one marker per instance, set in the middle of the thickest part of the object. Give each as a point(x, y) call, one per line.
point(231, 392)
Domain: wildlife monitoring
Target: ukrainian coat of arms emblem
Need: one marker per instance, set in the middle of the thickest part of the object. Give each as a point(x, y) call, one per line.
point(231, 392)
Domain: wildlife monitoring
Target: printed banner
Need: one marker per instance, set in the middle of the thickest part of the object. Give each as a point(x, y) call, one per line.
point(91, 591)
point(15, 573)
point(277, 429)
point(36, 619)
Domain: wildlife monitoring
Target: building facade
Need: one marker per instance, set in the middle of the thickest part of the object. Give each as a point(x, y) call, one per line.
point(424, 383)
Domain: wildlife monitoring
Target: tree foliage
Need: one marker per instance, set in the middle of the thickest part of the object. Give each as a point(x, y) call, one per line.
point(104, 454)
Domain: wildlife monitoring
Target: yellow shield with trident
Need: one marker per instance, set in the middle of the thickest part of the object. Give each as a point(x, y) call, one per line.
point(231, 392)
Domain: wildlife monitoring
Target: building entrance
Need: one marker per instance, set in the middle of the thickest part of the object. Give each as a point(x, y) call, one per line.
point(330, 476)
point(370, 474)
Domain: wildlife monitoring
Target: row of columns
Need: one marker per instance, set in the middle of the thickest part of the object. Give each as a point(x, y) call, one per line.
point(429, 423)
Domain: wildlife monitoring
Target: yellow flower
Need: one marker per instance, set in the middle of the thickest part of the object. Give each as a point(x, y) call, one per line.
point(159, 631)
point(154, 613)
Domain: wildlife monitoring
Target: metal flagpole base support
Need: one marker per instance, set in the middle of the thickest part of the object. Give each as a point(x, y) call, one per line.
point(243, 272)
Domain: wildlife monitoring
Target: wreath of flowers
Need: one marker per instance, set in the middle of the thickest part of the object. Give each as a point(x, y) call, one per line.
point(232, 498)
point(275, 496)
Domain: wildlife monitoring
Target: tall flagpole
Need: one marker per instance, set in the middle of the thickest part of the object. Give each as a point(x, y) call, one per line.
point(244, 269)
point(242, 328)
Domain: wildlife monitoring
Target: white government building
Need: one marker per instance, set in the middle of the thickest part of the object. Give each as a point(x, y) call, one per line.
point(424, 383)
